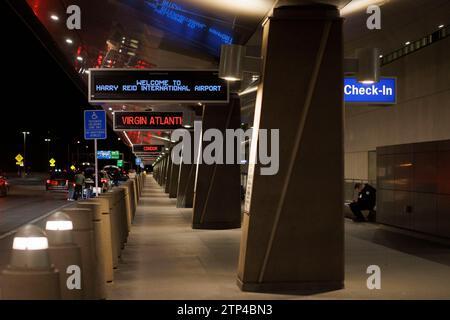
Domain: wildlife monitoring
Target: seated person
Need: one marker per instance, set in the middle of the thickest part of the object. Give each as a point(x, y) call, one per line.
point(366, 201)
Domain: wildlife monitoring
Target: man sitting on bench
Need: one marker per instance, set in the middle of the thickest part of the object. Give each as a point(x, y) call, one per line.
point(366, 201)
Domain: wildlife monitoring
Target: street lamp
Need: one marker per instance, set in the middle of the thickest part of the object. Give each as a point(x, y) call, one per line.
point(25, 133)
point(48, 140)
point(78, 152)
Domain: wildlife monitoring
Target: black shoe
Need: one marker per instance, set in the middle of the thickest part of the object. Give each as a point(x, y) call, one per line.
point(359, 219)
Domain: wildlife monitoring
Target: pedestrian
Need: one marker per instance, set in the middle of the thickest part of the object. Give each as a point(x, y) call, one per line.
point(79, 185)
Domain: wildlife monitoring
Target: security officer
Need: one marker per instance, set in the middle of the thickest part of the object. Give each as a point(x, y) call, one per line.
point(366, 201)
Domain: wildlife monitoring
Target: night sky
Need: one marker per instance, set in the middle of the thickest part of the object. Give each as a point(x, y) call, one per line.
point(40, 98)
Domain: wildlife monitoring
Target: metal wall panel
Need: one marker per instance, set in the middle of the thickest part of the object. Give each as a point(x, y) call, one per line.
point(444, 172)
point(425, 172)
point(385, 171)
point(414, 187)
point(443, 215)
point(424, 215)
point(385, 207)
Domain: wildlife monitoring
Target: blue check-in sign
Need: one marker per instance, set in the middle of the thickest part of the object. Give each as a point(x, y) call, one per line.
point(382, 92)
point(94, 124)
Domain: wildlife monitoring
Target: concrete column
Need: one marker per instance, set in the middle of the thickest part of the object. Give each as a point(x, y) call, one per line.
point(217, 201)
point(168, 173)
point(293, 229)
point(173, 183)
point(165, 164)
point(161, 171)
point(186, 180)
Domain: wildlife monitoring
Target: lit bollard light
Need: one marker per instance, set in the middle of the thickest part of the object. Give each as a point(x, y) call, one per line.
point(65, 255)
point(100, 246)
point(83, 236)
point(30, 275)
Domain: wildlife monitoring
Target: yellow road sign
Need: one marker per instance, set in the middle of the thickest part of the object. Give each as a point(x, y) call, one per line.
point(19, 158)
point(19, 163)
point(52, 162)
point(72, 168)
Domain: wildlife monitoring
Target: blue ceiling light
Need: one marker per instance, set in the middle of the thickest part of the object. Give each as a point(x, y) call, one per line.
point(194, 27)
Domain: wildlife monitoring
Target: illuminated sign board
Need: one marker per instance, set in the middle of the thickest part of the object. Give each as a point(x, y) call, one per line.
point(115, 155)
point(103, 155)
point(130, 121)
point(94, 124)
point(144, 148)
point(107, 155)
point(382, 92)
point(151, 85)
point(147, 155)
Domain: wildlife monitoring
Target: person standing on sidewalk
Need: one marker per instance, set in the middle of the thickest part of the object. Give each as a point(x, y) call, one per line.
point(79, 185)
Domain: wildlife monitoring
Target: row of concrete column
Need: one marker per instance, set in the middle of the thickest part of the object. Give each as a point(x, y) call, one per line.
point(293, 229)
point(213, 191)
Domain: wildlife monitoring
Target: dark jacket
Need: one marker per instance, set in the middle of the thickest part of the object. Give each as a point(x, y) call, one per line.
point(367, 198)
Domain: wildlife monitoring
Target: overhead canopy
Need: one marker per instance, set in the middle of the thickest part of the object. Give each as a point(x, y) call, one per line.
point(189, 34)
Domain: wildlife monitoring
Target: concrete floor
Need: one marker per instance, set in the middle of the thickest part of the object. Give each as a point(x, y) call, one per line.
point(165, 259)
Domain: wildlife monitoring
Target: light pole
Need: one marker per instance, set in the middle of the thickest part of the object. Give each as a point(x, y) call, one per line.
point(48, 140)
point(25, 133)
point(78, 152)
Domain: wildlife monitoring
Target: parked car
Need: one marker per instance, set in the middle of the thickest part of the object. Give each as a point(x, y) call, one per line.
point(115, 173)
point(4, 186)
point(60, 181)
point(104, 182)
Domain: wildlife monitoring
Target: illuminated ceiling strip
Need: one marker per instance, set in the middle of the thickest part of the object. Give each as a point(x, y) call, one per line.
point(248, 90)
point(357, 5)
point(128, 139)
point(161, 138)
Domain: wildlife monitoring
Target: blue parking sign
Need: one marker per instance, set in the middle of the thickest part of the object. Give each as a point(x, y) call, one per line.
point(94, 124)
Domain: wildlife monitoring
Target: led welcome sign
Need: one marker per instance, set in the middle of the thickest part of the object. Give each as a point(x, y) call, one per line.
point(382, 92)
point(130, 121)
point(125, 85)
